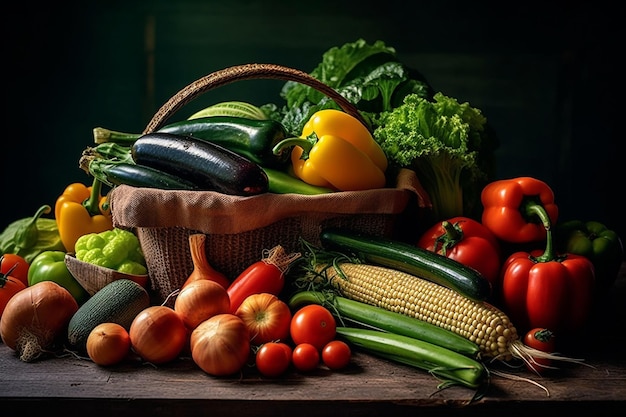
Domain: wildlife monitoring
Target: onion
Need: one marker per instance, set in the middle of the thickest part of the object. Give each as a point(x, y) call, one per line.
point(36, 318)
point(108, 344)
point(200, 300)
point(202, 269)
point(158, 334)
point(220, 345)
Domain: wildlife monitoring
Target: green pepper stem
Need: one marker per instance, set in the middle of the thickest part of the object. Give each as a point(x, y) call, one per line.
point(92, 204)
point(305, 143)
point(453, 234)
point(531, 208)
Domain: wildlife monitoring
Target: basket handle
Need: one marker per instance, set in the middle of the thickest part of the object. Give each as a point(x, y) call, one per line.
point(245, 72)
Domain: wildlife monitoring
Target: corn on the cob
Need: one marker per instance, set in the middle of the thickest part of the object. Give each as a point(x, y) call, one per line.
point(404, 293)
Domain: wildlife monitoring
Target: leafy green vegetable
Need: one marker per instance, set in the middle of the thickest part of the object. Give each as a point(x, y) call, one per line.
point(30, 236)
point(369, 75)
point(444, 142)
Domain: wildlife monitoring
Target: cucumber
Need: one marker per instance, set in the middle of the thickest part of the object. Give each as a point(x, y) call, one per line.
point(253, 139)
point(410, 259)
point(281, 182)
point(117, 173)
point(117, 302)
point(206, 164)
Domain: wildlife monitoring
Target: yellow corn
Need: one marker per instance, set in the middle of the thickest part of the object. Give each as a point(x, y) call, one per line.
point(404, 293)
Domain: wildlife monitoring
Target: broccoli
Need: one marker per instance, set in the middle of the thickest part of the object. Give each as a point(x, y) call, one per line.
point(446, 144)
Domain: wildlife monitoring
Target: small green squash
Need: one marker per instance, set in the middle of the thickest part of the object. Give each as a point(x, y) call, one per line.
point(117, 302)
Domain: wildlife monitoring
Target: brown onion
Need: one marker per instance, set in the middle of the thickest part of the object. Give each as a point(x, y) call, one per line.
point(108, 344)
point(36, 318)
point(200, 300)
point(220, 346)
point(158, 334)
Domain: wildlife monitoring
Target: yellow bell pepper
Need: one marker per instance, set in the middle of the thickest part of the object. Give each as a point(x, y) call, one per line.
point(80, 210)
point(349, 128)
point(336, 151)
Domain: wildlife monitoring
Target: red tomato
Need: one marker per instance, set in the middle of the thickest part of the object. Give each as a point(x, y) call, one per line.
point(466, 241)
point(541, 339)
point(305, 357)
point(267, 317)
point(9, 286)
point(273, 359)
point(20, 271)
point(313, 324)
point(336, 354)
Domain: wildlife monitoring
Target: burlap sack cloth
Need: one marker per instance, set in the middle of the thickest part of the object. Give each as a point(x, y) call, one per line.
point(238, 229)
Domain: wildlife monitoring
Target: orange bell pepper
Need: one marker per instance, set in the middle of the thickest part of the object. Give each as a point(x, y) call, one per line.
point(80, 210)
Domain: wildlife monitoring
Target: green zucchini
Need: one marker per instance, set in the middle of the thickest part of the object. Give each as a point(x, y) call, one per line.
point(254, 139)
point(280, 182)
point(206, 164)
point(410, 259)
point(443, 363)
point(116, 173)
point(117, 302)
point(376, 318)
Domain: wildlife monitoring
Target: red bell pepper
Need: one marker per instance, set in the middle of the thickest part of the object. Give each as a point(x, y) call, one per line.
point(548, 290)
point(514, 209)
point(467, 241)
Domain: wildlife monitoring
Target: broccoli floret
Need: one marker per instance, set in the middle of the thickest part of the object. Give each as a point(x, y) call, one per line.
point(441, 141)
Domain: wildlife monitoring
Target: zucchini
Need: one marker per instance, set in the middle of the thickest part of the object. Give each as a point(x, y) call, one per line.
point(254, 139)
point(443, 363)
point(206, 164)
point(280, 182)
point(376, 318)
point(116, 173)
point(410, 259)
point(117, 302)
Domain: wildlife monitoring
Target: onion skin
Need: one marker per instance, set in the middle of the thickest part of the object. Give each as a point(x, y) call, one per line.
point(35, 318)
point(220, 346)
point(200, 300)
point(108, 344)
point(158, 334)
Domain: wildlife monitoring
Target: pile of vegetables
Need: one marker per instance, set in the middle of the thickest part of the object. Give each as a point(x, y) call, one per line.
point(495, 276)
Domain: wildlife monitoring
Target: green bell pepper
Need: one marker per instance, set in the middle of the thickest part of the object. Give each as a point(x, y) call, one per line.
point(50, 266)
point(592, 239)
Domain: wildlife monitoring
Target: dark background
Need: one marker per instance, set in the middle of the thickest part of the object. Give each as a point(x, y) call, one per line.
point(546, 77)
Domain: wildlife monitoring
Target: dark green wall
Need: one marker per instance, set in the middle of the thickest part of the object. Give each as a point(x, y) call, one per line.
point(545, 78)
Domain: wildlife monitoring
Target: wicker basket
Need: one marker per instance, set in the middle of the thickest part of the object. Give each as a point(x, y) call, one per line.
point(239, 228)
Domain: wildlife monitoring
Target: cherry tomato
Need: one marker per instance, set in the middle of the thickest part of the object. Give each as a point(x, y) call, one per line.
point(305, 357)
point(273, 359)
point(541, 339)
point(8, 260)
point(336, 354)
point(313, 324)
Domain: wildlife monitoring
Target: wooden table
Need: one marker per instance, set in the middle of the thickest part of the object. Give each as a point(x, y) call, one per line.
point(72, 386)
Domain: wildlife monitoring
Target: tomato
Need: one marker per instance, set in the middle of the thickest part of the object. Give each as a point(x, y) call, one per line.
point(8, 260)
point(313, 324)
point(336, 354)
point(466, 241)
point(273, 358)
point(9, 286)
point(541, 339)
point(267, 317)
point(305, 357)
